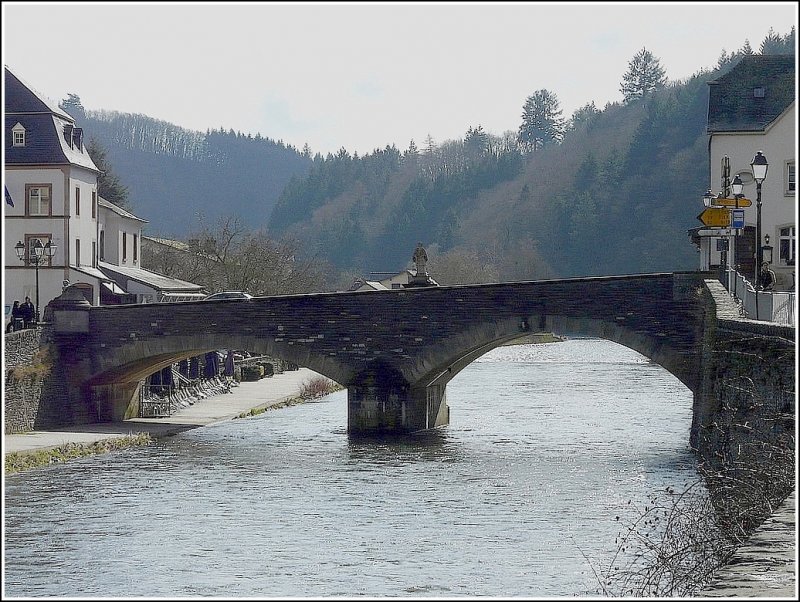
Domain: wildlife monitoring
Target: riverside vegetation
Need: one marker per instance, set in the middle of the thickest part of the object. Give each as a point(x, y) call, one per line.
point(488, 206)
point(682, 536)
point(21, 461)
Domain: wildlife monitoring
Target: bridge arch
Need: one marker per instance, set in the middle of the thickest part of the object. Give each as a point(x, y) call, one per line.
point(394, 350)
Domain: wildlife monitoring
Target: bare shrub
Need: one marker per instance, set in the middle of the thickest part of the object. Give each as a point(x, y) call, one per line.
point(679, 539)
point(672, 546)
point(318, 386)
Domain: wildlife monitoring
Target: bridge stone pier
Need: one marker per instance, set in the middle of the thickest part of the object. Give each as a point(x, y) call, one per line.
point(394, 351)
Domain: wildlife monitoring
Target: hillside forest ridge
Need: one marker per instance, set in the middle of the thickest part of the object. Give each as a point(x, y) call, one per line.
point(607, 191)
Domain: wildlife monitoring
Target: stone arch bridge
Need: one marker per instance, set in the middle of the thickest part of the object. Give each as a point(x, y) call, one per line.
point(393, 350)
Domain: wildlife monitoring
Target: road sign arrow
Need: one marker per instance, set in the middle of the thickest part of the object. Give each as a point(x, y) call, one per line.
point(743, 202)
point(715, 217)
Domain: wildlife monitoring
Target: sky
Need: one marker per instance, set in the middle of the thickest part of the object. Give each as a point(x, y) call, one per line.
point(361, 76)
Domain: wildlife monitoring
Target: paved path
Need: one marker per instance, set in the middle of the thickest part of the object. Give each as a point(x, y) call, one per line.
point(246, 396)
point(765, 566)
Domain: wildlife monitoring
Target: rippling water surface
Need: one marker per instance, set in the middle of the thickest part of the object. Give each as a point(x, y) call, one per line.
point(546, 445)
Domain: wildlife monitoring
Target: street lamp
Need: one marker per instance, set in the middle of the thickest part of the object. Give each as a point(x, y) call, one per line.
point(759, 167)
point(737, 186)
point(767, 250)
point(37, 255)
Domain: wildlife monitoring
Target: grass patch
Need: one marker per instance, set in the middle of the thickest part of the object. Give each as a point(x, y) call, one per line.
point(21, 461)
point(319, 386)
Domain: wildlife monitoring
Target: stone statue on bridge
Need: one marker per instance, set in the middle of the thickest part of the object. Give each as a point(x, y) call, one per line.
point(421, 278)
point(420, 258)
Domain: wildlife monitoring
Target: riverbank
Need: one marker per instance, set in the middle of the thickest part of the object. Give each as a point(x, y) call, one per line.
point(248, 398)
point(765, 566)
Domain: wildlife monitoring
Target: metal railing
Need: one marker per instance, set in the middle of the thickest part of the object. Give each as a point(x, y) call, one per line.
point(155, 401)
point(769, 306)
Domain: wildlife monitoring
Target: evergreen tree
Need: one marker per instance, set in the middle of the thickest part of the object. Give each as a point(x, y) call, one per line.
point(72, 105)
point(582, 115)
point(109, 185)
point(776, 44)
point(644, 75)
point(542, 123)
point(476, 142)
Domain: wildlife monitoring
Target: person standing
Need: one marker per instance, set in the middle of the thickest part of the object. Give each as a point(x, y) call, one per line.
point(28, 313)
point(17, 320)
point(767, 277)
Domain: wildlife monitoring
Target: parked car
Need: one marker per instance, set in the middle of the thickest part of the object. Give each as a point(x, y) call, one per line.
point(228, 295)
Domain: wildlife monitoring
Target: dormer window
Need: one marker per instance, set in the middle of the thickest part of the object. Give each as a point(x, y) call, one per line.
point(68, 127)
point(18, 135)
point(758, 92)
point(77, 137)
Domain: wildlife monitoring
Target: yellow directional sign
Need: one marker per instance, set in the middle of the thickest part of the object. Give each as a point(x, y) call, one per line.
point(715, 217)
point(743, 202)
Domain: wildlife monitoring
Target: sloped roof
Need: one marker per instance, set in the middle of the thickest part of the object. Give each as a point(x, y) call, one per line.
point(168, 242)
point(752, 94)
point(21, 97)
point(152, 279)
point(45, 140)
point(101, 202)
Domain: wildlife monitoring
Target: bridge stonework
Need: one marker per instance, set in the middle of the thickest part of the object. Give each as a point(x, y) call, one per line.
point(394, 351)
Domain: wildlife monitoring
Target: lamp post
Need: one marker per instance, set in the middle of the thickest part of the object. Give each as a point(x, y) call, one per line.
point(759, 167)
point(37, 255)
point(737, 188)
point(766, 254)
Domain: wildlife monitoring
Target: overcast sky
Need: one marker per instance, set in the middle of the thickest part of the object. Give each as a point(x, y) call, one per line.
point(361, 75)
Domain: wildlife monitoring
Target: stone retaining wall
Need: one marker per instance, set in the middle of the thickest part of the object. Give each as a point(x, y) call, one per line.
point(23, 387)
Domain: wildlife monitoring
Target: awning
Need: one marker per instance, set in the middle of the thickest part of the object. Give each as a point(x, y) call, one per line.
point(113, 287)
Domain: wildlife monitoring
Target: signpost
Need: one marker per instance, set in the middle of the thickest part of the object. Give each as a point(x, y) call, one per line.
point(740, 202)
point(715, 217)
point(738, 219)
point(715, 232)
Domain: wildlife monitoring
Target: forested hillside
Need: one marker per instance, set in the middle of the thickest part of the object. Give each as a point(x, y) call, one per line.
point(174, 175)
point(609, 191)
point(606, 191)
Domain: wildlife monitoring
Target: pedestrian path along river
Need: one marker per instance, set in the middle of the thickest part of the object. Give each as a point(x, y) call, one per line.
point(247, 395)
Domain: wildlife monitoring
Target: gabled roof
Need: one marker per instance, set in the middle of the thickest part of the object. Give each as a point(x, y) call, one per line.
point(49, 131)
point(751, 95)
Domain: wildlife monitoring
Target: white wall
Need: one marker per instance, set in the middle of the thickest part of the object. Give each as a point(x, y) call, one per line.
point(777, 144)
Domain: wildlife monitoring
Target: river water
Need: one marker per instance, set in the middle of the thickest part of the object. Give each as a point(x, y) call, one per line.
point(546, 446)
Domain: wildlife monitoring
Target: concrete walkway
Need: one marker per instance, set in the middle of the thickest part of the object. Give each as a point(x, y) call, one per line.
point(765, 566)
point(248, 395)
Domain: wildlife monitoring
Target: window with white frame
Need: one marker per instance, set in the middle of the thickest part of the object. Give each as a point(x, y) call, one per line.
point(790, 179)
point(786, 244)
point(18, 135)
point(37, 197)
